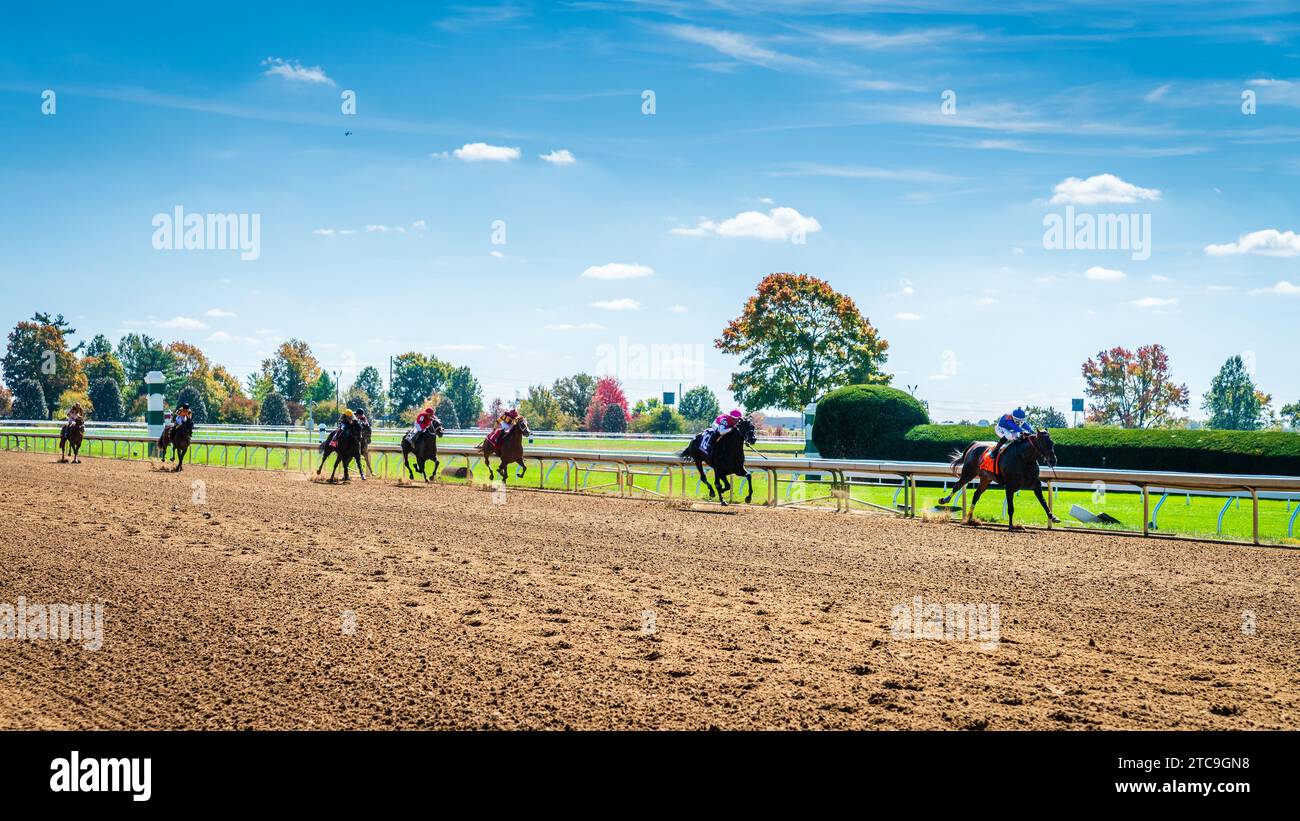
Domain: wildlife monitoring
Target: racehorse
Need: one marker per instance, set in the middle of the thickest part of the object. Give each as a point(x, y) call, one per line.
point(1017, 468)
point(425, 449)
point(365, 446)
point(509, 448)
point(178, 436)
point(346, 447)
point(70, 440)
point(727, 458)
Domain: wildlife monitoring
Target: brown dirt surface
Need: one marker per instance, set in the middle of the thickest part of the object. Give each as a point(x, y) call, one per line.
point(232, 613)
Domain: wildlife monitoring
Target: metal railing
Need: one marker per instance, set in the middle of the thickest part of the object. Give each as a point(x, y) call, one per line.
point(838, 476)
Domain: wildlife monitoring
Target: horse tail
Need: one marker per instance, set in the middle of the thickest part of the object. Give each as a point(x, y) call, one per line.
point(956, 461)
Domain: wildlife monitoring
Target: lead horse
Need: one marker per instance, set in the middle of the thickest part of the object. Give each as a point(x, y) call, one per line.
point(178, 436)
point(424, 446)
point(70, 436)
point(727, 458)
point(1017, 468)
point(346, 446)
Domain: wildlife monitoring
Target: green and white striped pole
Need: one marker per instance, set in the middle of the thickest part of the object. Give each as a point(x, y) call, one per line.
point(154, 416)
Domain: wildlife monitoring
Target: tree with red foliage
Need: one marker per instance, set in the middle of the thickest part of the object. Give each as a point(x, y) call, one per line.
point(1131, 389)
point(608, 391)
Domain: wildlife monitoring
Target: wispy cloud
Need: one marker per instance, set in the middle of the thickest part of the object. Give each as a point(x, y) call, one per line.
point(560, 157)
point(618, 270)
point(623, 304)
point(1283, 288)
point(482, 152)
point(296, 72)
point(1269, 242)
point(778, 224)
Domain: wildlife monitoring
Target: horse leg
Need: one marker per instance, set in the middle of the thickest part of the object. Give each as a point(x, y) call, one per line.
point(979, 491)
point(180, 459)
point(435, 469)
point(1011, 508)
point(1038, 491)
point(523, 468)
point(324, 457)
point(406, 463)
point(749, 484)
point(361, 470)
point(700, 467)
point(334, 469)
point(724, 485)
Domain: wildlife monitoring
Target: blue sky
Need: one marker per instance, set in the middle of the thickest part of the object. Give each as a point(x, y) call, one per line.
point(806, 136)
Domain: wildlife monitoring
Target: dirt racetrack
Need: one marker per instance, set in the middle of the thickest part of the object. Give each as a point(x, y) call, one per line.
point(564, 611)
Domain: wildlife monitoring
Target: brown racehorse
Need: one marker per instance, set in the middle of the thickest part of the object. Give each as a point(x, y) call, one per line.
point(178, 436)
point(1017, 468)
point(70, 436)
point(509, 448)
point(424, 448)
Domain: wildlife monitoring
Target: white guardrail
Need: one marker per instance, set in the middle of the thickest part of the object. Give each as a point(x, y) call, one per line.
point(795, 437)
point(836, 475)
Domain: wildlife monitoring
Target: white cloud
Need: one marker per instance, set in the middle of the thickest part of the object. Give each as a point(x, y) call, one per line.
point(1099, 189)
point(1154, 302)
point(419, 225)
point(568, 326)
point(220, 336)
point(219, 313)
point(181, 323)
point(482, 152)
point(736, 46)
point(462, 346)
point(1158, 92)
point(1267, 243)
point(332, 232)
point(778, 224)
point(679, 309)
point(497, 254)
point(295, 71)
point(382, 229)
point(907, 316)
point(1018, 251)
point(1098, 274)
point(618, 270)
point(623, 304)
point(1283, 288)
point(561, 157)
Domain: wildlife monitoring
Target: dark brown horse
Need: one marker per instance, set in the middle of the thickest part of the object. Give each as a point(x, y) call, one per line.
point(178, 436)
point(425, 448)
point(70, 436)
point(509, 448)
point(727, 458)
point(345, 444)
point(1017, 468)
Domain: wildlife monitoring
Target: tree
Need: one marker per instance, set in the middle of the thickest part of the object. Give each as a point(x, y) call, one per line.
point(1232, 401)
point(239, 410)
point(29, 400)
point(799, 338)
point(274, 411)
point(699, 405)
point(542, 408)
point(368, 380)
point(61, 324)
point(607, 391)
point(1133, 390)
point(106, 399)
point(322, 390)
point(494, 410)
point(464, 392)
point(140, 354)
point(1290, 414)
point(1045, 417)
point(415, 378)
point(446, 413)
point(292, 370)
point(615, 419)
point(574, 394)
point(359, 401)
point(98, 346)
point(104, 366)
point(38, 352)
point(259, 386)
point(659, 419)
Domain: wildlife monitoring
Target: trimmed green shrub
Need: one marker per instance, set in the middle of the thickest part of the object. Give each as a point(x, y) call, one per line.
point(857, 421)
point(1182, 451)
point(106, 399)
point(274, 411)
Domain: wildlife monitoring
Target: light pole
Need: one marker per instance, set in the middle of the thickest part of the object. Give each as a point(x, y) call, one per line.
point(336, 391)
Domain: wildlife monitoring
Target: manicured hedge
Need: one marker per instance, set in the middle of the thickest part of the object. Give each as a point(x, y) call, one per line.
point(1186, 451)
point(857, 419)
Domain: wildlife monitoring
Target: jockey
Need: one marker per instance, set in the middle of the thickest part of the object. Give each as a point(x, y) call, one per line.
point(720, 428)
point(1010, 427)
point(76, 414)
point(182, 414)
point(424, 420)
point(502, 426)
point(347, 421)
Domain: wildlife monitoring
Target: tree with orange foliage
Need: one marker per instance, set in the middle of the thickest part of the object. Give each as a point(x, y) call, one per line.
point(799, 338)
point(1132, 389)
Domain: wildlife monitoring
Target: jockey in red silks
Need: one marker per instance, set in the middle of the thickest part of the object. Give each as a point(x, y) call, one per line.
point(502, 426)
point(423, 421)
point(720, 428)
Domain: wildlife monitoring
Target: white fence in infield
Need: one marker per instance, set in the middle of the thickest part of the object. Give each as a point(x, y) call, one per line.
point(832, 478)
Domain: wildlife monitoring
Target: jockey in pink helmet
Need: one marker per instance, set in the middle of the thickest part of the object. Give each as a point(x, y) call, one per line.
point(720, 428)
